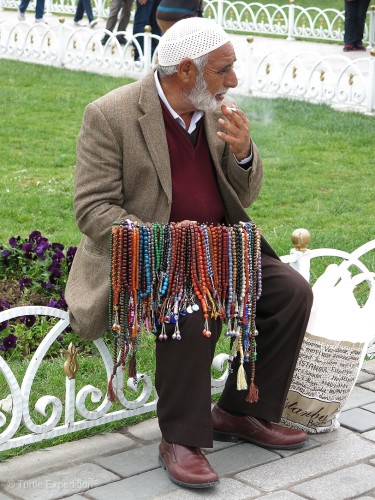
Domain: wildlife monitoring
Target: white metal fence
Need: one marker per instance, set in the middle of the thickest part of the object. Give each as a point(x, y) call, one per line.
point(76, 411)
point(335, 80)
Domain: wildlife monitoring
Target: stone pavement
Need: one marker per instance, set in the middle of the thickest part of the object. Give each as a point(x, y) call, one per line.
point(124, 464)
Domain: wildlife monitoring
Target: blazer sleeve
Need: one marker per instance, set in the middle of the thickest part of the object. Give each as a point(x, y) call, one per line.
point(98, 185)
point(246, 183)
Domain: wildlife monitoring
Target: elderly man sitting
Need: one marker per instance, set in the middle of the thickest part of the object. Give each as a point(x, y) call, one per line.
point(166, 149)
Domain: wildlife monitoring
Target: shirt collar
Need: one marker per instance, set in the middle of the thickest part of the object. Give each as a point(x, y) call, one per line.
point(197, 115)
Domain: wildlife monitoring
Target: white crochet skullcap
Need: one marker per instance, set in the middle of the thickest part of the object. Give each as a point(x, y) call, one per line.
point(190, 38)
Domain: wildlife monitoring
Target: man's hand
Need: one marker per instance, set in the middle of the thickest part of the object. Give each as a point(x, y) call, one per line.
point(236, 131)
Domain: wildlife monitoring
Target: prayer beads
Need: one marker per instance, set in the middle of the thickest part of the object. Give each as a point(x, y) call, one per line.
point(160, 273)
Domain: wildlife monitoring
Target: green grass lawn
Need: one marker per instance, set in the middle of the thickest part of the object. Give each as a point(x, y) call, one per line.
point(319, 173)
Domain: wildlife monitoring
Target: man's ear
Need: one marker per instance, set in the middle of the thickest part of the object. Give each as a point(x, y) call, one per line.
point(187, 72)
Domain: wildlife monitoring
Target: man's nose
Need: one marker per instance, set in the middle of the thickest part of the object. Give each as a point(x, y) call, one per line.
point(231, 79)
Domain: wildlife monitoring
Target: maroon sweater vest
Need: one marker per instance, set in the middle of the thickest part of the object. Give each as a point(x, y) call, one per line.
point(195, 192)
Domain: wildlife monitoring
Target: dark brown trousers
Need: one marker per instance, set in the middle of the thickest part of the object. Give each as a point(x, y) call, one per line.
point(183, 368)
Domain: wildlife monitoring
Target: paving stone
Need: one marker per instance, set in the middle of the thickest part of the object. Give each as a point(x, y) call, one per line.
point(282, 495)
point(147, 430)
point(370, 385)
point(359, 397)
point(303, 466)
point(143, 486)
point(75, 451)
point(364, 377)
point(75, 497)
point(340, 485)
point(369, 366)
point(358, 420)
point(239, 458)
point(3, 496)
point(133, 461)
point(370, 407)
point(219, 445)
point(311, 443)
point(369, 435)
point(227, 488)
point(328, 437)
point(61, 483)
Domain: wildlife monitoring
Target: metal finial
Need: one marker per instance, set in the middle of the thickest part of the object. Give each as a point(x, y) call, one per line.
point(249, 39)
point(300, 239)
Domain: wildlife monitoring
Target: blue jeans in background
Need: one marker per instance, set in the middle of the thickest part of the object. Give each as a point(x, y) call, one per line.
point(82, 7)
point(146, 14)
point(39, 8)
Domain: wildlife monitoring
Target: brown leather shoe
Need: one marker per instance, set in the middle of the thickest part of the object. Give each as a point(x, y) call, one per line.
point(186, 466)
point(228, 427)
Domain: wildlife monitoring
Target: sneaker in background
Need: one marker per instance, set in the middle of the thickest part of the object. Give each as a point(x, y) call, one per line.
point(348, 47)
point(20, 15)
point(93, 23)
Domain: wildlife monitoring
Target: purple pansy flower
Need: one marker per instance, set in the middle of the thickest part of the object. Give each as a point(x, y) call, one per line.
point(28, 320)
point(25, 282)
point(35, 235)
point(27, 249)
point(57, 246)
point(9, 342)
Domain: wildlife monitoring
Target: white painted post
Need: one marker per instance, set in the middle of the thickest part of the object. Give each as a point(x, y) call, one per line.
point(48, 8)
point(220, 13)
point(291, 20)
point(147, 42)
point(249, 67)
point(371, 32)
point(62, 42)
point(371, 83)
point(100, 10)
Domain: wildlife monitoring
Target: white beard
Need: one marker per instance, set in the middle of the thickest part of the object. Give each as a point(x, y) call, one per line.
point(201, 98)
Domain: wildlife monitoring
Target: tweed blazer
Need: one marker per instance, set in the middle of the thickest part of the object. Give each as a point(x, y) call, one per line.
point(123, 172)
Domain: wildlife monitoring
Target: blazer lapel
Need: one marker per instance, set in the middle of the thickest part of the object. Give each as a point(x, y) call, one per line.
point(151, 124)
point(215, 145)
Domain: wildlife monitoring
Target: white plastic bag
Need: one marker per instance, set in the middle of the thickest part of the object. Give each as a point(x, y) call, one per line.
point(334, 347)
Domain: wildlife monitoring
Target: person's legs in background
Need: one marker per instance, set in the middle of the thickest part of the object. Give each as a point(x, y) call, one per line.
point(125, 15)
point(362, 7)
point(82, 7)
point(145, 14)
point(39, 10)
point(355, 18)
point(22, 8)
point(79, 12)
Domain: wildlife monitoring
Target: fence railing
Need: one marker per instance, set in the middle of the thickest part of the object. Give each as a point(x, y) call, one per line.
point(289, 21)
point(61, 416)
point(335, 80)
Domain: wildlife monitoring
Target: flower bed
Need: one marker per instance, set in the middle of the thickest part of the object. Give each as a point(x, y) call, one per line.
point(33, 271)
